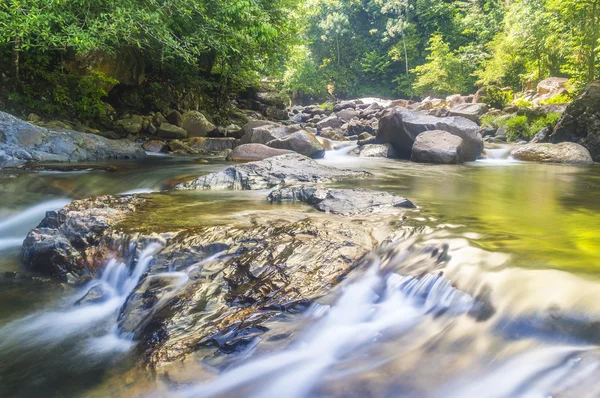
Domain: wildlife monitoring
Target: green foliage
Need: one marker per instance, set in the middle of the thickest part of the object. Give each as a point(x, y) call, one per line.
point(444, 73)
point(489, 121)
point(523, 103)
point(496, 97)
point(516, 126)
point(327, 106)
point(549, 120)
point(559, 99)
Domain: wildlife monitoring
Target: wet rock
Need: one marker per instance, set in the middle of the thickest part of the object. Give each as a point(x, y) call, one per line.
point(301, 142)
point(154, 146)
point(400, 127)
point(345, 202)
point(254, 152)
point(272, 172)
point(21, 142)
point(159, 119)
point(374, 151)
point(168, 130)
point(196, 124)
point(181, 148)
point(95, 295)
point(580, 122)
point(565, 152)
point(437, 147)
point(66, 243)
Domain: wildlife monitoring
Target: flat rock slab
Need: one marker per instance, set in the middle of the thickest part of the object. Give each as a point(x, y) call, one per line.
point(22, 142)
point(347, 202)
point(272, 172)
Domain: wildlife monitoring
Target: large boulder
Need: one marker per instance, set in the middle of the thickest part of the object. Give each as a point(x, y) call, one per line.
point(254, 152)
point(301, 142)
point(565, 152)
point(21, 142)
point(276, 113)
point(437, 147)
point(400, 127)
point(130, 125)
point(196, 124)
point(470, 111)
point(168, 130)
point(272, 172)
point(580, 122)
point(552, 85)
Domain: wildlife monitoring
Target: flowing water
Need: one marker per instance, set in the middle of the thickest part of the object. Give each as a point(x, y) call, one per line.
point(508, 308)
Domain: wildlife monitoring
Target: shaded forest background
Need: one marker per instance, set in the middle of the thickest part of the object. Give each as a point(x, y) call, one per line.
point(83, 59)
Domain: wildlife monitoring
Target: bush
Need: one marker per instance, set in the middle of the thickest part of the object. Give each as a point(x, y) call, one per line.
point(549, 121)
point(497, 98)
point(516, 126)
point(523, 103)
point(557, 100)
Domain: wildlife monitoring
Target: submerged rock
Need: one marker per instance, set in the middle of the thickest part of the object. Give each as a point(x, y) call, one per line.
point(345, 202)
point(565, 152)
point(437, 147)
point(272, 172)
point(21, 142)
point(95, 295)
point(373, 150)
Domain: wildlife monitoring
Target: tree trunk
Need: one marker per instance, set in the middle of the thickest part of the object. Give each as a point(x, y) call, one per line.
point(405, 51)
point(16, 53)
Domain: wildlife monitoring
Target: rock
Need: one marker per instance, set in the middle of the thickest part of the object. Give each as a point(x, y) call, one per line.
point(300, 142)
point(457, 99)
point(344, 105)
point(374, 151)
point(368, 141)
point(347, 114)
point(58, 125)
point(347, 202)
point(551, 85)
point(276, 113)
point(233, 130)
point(332, 121)
point(175, 118)
point(111, 135)
point(249, 127)
point(542, 136)
point(64, 243)
point(565, 152)
point(168, 130)
point(181, 148)
point(271, 172)
point(268, 132)
point(580, 122)
point(440, 111)
point(131, 125)
point(437, 147)
point(401, 126)
point(254, 152)
point(502, 133)
point(33, 118)
point(487, 131)
point(152, 129)
point(95, 295)
point(209, 144)
point(154, 146)
point(159, 119)
point(21, 142)
point(470, 111)
point(196, 124)
point(364, 136)
point(334, 135)
point(272, 98)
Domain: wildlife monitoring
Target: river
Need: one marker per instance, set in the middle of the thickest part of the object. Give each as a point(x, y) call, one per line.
point(513, 312)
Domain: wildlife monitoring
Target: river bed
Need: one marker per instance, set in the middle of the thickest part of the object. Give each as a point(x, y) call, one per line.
point(513, 312)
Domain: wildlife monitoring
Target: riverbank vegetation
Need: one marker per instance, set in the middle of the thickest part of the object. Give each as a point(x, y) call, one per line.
point(79, 59)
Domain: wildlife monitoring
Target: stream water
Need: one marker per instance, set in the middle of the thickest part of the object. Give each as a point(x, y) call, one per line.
point(513, 312)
